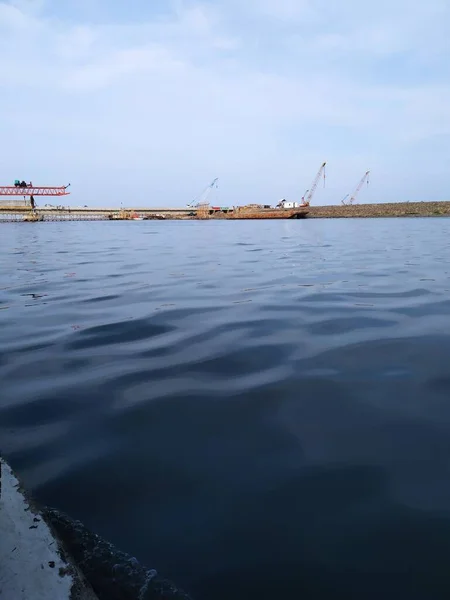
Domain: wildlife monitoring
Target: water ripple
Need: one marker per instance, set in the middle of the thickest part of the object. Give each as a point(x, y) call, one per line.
point(231, 399)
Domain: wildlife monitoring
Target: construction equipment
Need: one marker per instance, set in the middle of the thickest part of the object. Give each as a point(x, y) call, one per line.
point(364, 179)
point(202, 199)
point(307, 200)
point(30, 190)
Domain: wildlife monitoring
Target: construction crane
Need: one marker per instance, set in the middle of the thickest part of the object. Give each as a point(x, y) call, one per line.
point(202, 199)
point(27, 189)
point(307, 200)
point(364, 179)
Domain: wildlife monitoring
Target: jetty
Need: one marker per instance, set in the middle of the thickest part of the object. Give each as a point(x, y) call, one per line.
point(19, 211)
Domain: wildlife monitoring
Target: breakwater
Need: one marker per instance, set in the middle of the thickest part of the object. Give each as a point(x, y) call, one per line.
point(392, 209)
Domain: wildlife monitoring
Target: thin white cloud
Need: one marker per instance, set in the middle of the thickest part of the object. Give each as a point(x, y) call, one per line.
point(119, 67)
point(287, 10)
point(186, 95)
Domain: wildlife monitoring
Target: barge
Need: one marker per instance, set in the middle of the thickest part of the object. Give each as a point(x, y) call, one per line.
point(265, 213)
point(251, 211)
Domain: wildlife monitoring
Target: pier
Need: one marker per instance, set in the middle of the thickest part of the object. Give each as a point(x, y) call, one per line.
point(18, 211)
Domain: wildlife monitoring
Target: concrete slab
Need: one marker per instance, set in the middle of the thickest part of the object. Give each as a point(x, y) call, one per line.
point(33, 566)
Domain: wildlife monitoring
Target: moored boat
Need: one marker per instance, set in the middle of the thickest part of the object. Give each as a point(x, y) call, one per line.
point(33, 218)
point(267, 213)
point(125, 215)
point(253, 212)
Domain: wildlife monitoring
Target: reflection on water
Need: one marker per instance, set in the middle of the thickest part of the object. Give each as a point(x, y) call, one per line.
point(259, 410)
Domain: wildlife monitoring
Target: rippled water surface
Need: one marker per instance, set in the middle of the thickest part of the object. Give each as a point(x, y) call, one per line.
point(259, 410)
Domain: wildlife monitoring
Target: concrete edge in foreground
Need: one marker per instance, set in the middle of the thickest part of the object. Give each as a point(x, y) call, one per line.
point(33, 564)
point(45, 555)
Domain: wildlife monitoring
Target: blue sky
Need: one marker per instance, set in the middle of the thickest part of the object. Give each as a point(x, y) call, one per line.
point(145, 102)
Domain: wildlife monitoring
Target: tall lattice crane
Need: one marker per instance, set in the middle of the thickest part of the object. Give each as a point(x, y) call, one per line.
point(321, 172)
point(364, 179)
point(202, 199)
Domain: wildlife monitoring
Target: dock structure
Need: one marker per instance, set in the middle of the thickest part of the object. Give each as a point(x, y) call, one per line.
point(20, 210)
point(11, 212)
point(20, 206)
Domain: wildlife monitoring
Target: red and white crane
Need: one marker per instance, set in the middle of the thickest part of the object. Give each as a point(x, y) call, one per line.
point(307, 201)
point(364, 179)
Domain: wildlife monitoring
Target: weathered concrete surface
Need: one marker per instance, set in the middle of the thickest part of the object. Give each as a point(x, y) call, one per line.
point(45, 555)
point(393, 209)
point(113, 575)
point(33, 565)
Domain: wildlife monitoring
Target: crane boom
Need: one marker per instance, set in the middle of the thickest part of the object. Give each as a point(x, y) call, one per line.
point(364, 179)
point(315, 184)
point(202, 198)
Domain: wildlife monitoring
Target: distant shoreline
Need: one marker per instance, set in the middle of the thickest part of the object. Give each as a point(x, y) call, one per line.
point(10, 213)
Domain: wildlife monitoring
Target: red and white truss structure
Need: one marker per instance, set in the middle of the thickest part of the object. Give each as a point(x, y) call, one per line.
point(33, 191)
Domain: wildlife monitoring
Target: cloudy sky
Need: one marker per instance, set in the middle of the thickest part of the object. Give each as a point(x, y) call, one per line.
point(146, 101)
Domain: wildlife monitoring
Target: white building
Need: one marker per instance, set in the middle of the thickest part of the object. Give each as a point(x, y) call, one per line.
point(285, 204)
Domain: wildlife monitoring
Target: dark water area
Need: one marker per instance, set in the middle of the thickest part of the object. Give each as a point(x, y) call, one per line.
point(258, 410)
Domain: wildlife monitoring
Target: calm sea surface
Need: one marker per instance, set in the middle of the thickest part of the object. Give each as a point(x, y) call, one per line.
point(259, 410)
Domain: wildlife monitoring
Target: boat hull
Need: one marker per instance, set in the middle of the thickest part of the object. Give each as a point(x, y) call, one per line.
point(278, 213)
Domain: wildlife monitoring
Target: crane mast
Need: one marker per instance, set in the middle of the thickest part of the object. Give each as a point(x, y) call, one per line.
point(202, 199)
point(364, 179)
point(313, 188)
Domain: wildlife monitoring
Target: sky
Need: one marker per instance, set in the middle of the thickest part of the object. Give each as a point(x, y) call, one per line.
point(145, 102)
